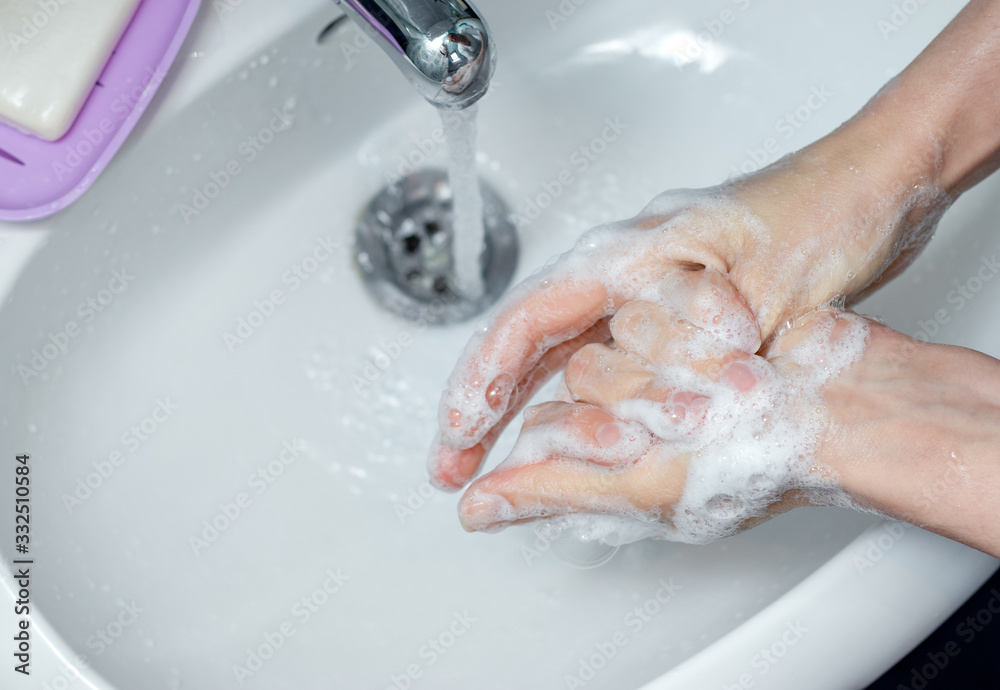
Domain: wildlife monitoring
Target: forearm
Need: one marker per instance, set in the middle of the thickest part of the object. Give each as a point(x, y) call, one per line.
point(917, 437)
point(854, 208)
point(937, 122)
point(943, 110)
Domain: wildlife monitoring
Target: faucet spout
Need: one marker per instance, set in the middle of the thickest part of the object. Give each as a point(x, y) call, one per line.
point(443, 47)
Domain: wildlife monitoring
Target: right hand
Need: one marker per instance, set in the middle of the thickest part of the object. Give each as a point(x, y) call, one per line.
point(740, 261)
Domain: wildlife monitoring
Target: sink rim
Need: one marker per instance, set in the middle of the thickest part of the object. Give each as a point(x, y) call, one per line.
point(744, 640)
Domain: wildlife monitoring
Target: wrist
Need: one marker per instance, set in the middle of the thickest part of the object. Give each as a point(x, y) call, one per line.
point(945, 103)
point(837, 215)
point(915, 434)
point(936, 123)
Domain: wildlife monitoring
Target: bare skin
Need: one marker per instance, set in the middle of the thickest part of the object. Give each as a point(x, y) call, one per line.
point(833, 221)
point(914, 427)
point(916, 435)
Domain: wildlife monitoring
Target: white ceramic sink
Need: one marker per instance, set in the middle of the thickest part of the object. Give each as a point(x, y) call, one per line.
point(327, 571)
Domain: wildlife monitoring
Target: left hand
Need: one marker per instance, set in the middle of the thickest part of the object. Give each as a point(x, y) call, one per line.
point(690, 409)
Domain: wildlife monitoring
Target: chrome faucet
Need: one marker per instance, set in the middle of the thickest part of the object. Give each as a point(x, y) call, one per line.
point(443, 47)
point(404, 239)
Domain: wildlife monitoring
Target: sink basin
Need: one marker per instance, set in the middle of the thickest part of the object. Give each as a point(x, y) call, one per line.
point(228, 437)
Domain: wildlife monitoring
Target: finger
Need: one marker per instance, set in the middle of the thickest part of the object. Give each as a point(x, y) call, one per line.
point(581, 432)
point(602, 376)
point(705, 298)
point(647, 490)
point(540, 314)
point(668, 345)
point(534, 319)
point(605, 385)
point(562, 393)
point(656, 334)
point(452, 468)
point(699, 313)
point(818, 343)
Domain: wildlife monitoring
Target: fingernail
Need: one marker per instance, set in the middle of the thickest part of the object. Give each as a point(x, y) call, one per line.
point(740, 376)
point(608, 435)
point(451, 468)
point(498, 392)
point(699, 406)
point(481, 511)
point(684, 405)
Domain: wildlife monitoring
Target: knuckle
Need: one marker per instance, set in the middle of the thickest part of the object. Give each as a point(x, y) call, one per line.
point(579, 364)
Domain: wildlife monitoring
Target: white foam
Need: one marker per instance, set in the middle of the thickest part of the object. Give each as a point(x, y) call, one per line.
point(747, 449)
point(615, 255)
point(769, 443)
point(537, 443)
point(622, 256)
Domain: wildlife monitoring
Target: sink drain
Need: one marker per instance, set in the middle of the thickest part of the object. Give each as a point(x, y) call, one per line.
point(403, 247)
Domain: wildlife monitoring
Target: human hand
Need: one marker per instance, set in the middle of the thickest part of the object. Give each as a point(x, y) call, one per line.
point(858, 415)
point(682, 434)
point(766, 248)
point(830, 222)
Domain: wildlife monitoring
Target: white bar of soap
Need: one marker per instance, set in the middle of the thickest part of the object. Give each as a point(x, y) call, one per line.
point(51, 55)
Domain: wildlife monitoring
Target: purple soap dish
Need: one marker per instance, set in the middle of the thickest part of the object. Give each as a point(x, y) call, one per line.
point(39, 178)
